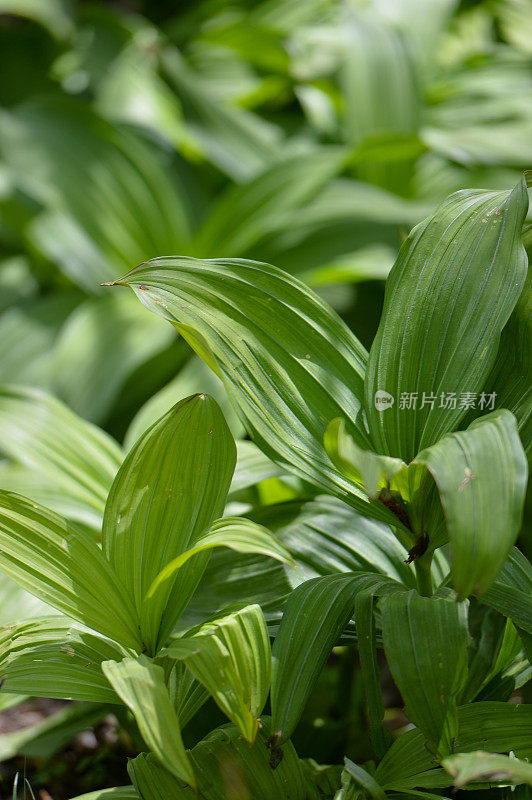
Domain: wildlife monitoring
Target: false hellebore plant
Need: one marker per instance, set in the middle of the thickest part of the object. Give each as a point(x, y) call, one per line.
point(445, 478)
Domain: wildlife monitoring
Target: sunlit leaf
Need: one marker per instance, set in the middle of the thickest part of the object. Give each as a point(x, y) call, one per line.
point(169, 490)
point(140, 685)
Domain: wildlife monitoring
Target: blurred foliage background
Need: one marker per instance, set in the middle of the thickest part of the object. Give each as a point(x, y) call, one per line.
point(312, 134)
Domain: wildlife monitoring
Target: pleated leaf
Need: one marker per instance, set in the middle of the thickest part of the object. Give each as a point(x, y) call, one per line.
point(236, 533)
point(140, 685)
point(487, 767)
point(233, 661)
point(489, 726)
point(449, 295)
point(71, 462)
point(481, 475)
point(289, 363)
point(375, 472)
point(51, 658)
point(64, 567)
point(511, 592)
point(227, 768)
point(314, 617)
point(425, 640)
point(367, 650)
point(170, 488)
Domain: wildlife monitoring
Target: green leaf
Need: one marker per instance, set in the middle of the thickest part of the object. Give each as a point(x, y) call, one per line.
point(374, 472)
point(425, 639)
point(169, 490)
point(366, 637)
point(451, 291)
point(362, 778)
point(232, 660)
point(117, 793)
point(481, 475)
point(287, 361)
point(487, 767)
point(511, 592)
point(314, 617)
point(489, 726)
point(228, 768)
point(64, 567)
point(238, 534)
point(72, 462)
point(52, 658)
point(140, 685)
point(511, 376)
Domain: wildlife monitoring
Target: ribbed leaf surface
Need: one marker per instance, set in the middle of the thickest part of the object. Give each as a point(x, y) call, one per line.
point(140, 685)
point(451, 291)
point(425, 639)
point(170, 488)
point(481, 475)
point(64, 567)
point(289, 363)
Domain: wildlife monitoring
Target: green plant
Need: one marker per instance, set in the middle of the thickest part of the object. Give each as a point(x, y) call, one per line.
point(309, 397)
point(160, 522)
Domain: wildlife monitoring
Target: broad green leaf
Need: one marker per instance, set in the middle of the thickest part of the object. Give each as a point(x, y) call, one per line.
point(363, 779)
point(449, 295)
point(140, 685)
point(169, 490)
point(52, 658)
point(186, 693)
point(314, 617)
point(235, 533)
point(228, 768)
point(72, 462)
point(425, 640)
point(324, 537)
point(287, 361)
point(492, 727)
point(374, 472)
point(64, 567)
point(366, 638)
point(233, 661)
point(487, 767)
point(481, 476)
point(487, 630)
point(511, 592)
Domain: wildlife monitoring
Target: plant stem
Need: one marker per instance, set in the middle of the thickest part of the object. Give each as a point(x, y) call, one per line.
point(423, 574)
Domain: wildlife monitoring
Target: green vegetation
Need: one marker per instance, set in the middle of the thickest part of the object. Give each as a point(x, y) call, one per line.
point(275, 549)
